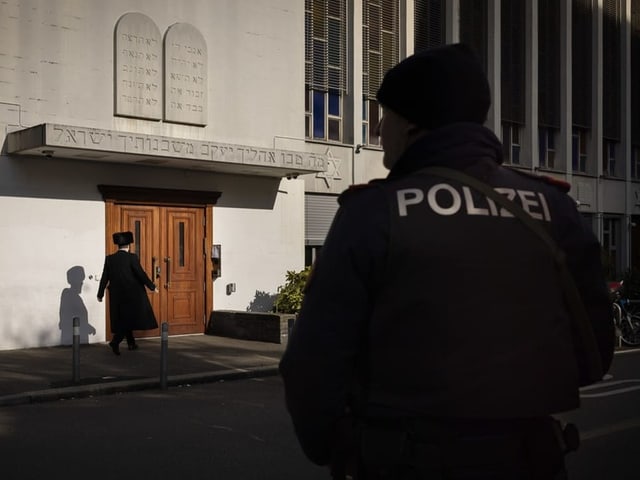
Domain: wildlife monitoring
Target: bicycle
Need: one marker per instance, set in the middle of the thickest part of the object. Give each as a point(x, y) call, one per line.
point(626, 317)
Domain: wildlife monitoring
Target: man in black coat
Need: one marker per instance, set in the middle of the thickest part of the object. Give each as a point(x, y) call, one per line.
point(434, 339)
point(129, 306)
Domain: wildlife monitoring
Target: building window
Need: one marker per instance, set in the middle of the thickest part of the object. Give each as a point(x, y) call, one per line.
point(474, 18)
point(635, 162)
point(371, 113)
point(634, 106)
point(311, 252)
point(610, 236)
point(609, 148)
point(611, 58)
point(429, 24)
point(548, 67)
point(511, 143)
point(325, 68)
point(380, 52)
point(547, 150)
point(581, 52)
point(579, 150)
point(512, 55)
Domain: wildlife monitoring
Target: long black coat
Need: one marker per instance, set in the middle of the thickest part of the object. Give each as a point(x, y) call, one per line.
point(129, 306)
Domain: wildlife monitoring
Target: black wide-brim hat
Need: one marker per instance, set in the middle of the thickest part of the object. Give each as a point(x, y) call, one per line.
point(438, 86)
point(123, 238)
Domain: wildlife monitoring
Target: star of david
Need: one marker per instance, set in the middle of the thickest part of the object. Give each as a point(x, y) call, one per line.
point(333, 169)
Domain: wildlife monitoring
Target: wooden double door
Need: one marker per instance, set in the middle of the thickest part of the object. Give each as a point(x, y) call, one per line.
point(170, 242)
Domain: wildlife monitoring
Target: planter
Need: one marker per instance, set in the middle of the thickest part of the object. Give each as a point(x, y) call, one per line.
point(262, 327)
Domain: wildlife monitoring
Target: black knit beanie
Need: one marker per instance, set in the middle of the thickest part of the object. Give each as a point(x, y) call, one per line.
point(438, 86)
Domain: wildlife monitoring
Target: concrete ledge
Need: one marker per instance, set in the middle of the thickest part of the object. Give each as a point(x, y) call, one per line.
point(262, 327)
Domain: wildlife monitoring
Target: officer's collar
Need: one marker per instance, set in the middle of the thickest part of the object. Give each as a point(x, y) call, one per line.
point(456, 145)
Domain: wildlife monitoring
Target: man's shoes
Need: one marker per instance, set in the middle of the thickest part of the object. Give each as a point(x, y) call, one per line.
point(115, 348)
point(133, 346)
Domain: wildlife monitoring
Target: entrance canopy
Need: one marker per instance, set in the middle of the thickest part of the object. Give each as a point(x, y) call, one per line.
point(63, 141)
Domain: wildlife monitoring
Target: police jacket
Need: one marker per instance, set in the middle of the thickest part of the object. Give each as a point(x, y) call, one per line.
point(428, 300)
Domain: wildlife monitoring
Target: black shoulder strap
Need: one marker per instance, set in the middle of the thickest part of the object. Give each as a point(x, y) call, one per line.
point(586, 348)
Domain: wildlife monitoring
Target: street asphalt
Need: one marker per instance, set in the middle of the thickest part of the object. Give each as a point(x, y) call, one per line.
point(52, 373)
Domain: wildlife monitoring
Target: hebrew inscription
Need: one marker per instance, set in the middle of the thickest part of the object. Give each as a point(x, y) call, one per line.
point(153, 145)
point(138, 67)
point(185, 75)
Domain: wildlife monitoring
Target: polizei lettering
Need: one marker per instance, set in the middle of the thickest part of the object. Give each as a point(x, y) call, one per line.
point(443, 199)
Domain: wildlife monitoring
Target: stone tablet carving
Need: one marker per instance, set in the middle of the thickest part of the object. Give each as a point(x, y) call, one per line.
point(186, 69)
point(138, 67)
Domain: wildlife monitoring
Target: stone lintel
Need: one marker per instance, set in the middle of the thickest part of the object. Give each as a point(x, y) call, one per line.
point(84, 143)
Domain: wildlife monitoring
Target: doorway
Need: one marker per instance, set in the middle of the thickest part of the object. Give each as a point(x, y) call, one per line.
point(172, 243)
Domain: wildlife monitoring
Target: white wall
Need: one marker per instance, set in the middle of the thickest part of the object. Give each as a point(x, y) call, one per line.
point(41, 240)
point(368, 165)
point(258, 247)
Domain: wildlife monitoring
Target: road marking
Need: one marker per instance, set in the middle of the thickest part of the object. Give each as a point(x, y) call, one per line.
point(230, 367)
point(606, 385)
point(264, 357)
point(610, 429)
point(611, 392)
point(629, 350)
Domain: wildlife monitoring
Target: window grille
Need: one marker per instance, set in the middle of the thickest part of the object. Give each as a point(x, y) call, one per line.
point(474, 27)
point(429, 24)
point(611, 77)
point(512, 60)
point(325, 45)
point(549, 63)
point(380, 52)
point(635, 71)
point(380, 42)
point(581, 68)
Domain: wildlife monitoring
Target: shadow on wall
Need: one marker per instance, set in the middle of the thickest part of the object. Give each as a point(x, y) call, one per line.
point(262, 302)
point(36, 177)
point(71, 305)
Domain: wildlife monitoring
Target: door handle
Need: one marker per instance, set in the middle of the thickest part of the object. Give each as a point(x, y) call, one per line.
point(168, 262)
point(155, 269)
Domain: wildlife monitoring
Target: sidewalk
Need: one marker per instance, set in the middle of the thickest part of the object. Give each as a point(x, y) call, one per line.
point(44, 374)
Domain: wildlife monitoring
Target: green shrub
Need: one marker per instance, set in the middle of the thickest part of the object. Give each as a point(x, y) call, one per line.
point(290, 294)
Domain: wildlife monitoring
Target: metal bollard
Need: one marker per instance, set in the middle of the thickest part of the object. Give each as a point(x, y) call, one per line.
point(290, 323)
point(76, 349)
point(164, 348)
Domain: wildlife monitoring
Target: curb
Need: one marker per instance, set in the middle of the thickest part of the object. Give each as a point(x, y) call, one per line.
point(111, 387)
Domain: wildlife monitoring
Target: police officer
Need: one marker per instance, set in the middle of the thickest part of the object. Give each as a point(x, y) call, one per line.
point(434, 339)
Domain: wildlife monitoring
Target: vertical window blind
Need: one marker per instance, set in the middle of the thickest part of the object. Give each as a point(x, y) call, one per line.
point(325, 45)
point(549, 63)
point(474, 27)
point(512, 50)
point(429, 24)
point(611, 44)
point(635, 72)
point(380, 43)
point(581, 65)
